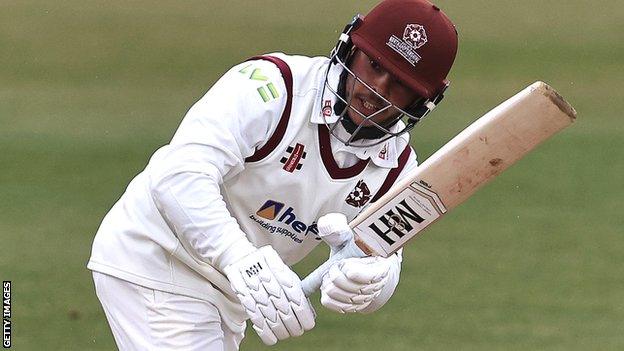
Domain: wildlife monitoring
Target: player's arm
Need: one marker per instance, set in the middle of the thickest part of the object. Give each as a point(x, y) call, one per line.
point(223, 128)
point(365, 284)
point(210, 146)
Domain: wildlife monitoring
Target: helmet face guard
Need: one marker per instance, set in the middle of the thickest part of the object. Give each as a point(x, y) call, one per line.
point(375, 133)
point(426, 78)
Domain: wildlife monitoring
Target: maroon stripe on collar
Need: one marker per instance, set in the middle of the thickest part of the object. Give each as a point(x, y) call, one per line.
point(393, 174)
point(280, 130)
point(328, 158)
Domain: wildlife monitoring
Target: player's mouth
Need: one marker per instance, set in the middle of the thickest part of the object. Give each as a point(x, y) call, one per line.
point(368, 107)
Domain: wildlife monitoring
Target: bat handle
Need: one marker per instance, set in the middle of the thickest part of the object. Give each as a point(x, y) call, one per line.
point(313, 281)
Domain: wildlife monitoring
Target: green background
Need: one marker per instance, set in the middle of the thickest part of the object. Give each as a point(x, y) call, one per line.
point(89, 89)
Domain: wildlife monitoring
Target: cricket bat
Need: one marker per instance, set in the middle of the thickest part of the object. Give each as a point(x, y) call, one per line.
point(452, 174)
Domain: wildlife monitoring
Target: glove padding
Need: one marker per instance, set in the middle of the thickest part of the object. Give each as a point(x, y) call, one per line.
point(352, 284)
point(271, 294)
point(355, 284)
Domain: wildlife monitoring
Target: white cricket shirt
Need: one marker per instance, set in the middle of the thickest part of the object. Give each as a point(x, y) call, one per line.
point(251, 164)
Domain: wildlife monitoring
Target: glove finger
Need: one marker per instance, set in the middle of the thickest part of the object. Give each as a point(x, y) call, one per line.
point(365, 270)
point(341, 295)
point(291, 286)
point(339, 306)
point(266, 335)
point(287, 323)
point(278, 328)
point(304, 313)
point(279, 314)
point(263, 302)
point(342, 282)
point(299, 303)
point(298, 306)
point(292, 324)
point(257, 314)
point(349, 298)
point(251, 308)
point(373, 289)
point(265, 287)
point(271, 302)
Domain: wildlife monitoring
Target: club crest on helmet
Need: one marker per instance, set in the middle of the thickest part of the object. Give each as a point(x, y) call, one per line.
point(414, 37)
point(415, 34)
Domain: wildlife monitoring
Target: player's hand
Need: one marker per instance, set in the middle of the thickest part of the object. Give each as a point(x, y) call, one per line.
point(352, 284)
point(355, 284)
point(271, 294)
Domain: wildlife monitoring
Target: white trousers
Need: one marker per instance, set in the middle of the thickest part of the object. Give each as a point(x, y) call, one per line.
point(146, 319)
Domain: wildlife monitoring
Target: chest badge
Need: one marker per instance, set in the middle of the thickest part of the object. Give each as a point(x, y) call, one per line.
point(295, 155)
point(359, 196)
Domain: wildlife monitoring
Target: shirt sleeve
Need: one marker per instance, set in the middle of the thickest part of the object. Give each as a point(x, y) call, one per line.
point(224, 127)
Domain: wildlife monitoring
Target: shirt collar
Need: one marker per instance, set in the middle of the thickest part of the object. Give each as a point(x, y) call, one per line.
point(324, 104)
point(384, 155)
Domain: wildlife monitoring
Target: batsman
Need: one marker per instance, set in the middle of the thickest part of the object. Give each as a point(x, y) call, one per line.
point(281, 151)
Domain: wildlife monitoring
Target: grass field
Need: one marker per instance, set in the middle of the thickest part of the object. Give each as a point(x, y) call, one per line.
point(89, 89)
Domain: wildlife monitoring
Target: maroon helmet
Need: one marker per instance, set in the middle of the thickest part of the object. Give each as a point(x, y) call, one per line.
point(414, 41)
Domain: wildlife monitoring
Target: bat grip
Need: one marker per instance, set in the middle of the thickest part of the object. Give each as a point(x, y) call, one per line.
point(313, 281)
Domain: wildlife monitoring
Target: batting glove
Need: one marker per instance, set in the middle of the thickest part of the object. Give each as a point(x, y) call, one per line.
point(271, 294)
point(356, 284)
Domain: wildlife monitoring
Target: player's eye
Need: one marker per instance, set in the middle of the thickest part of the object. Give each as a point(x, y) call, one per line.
point(374, 64)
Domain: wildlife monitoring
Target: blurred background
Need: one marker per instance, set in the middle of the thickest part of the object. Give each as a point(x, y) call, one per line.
point(89, 89)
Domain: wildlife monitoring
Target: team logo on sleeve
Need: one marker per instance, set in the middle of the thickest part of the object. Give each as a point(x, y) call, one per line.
point(295, 156)
point(359, 196)
point(267, 92)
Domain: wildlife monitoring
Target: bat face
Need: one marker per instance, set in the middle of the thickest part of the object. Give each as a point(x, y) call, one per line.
point(411, 210)
point(472, 158)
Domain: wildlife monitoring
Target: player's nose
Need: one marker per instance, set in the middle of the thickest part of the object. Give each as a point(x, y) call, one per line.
point(382, 84)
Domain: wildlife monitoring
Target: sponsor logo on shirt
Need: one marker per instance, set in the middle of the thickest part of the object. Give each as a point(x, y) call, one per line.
point(295, 156)
point(272, 217)
point(270, 209)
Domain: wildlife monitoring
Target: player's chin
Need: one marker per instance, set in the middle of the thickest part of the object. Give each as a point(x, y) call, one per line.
point(360, 118)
